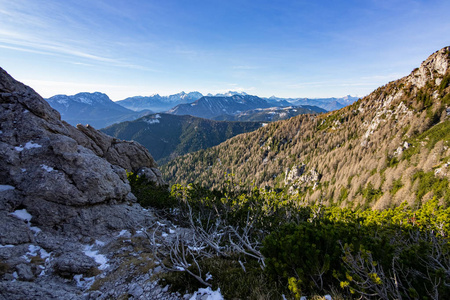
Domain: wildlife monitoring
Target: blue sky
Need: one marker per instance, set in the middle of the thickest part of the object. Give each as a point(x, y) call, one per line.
point(284, 48)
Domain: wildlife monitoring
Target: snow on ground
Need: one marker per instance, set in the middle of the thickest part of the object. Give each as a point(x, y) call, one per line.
point(84, 282)
point(124, 233)
point(22, 214)
point(34, 251)
point(209, 293)
point(28, 145)
point(47, 168)
point(99, 258)
point(152, 121)
point(4, 187)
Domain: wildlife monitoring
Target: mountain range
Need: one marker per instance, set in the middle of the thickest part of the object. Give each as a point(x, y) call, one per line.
point(329, 104)
point(99, 111)
point(158, 103)
point(168, 136)
point(271, 114)
point(388, 147)
point(210, 107)
point(95, 109)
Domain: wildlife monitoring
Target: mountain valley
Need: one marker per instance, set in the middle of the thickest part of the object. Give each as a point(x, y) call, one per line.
point(168, 136)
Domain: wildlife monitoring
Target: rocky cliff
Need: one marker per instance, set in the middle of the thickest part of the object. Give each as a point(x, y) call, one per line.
point(62, 190)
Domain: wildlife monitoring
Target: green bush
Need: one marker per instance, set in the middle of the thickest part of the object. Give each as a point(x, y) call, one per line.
point(149, 194)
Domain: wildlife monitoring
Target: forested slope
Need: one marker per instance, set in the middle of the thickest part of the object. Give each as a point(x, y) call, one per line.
point(389, 147)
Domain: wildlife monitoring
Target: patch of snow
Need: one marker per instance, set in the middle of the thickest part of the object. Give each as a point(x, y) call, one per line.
point(28, 145)
point(152, 121)
point(84, 100)
point(264, 124)
point(160, 224)
point(34, 250)
point(328, 297)
point(6, 246)
point(44, 254)
point(123, 233)
point(23, 170)
point(83, 282)
point(99, 258)
point(207, 294)
point(22, 214)
point(47, 168)
point(35, 229)
point(157, 116)
point(31, 145)
point(164, 234)
point(15, 275)
point(208, 277)
point(5, 187)
point(171, 231)
point(99, 243)
point(1, 132)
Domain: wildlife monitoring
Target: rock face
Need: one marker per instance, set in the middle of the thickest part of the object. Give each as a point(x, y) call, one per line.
point(60, 188)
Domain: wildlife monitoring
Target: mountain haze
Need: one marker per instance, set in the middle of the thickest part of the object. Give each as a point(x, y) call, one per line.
point(168, 136)
point(391, 146)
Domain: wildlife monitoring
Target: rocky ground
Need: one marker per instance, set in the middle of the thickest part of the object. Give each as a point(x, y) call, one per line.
point(70, 228)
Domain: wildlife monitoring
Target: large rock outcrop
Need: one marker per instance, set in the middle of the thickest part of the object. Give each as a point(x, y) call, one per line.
point(60, 188)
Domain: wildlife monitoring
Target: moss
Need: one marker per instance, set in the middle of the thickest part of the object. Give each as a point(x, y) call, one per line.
point(4, 268)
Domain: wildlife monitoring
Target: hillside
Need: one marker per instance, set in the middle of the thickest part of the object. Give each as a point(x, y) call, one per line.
point(168, 136)
point(389, 147)
point(210, 107)
point(95, 109)
point(271, 114)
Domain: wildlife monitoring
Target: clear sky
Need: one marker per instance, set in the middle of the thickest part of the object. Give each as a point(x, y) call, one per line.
point(312, 48)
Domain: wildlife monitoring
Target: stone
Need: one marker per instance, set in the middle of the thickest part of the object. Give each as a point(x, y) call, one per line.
point(73, 263)
point(25, 273)
point(136, 291)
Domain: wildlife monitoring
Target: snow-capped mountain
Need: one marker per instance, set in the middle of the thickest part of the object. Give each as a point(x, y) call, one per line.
point(95, 109)
point(159, 103)
point(227, 94)
point(209, 107)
